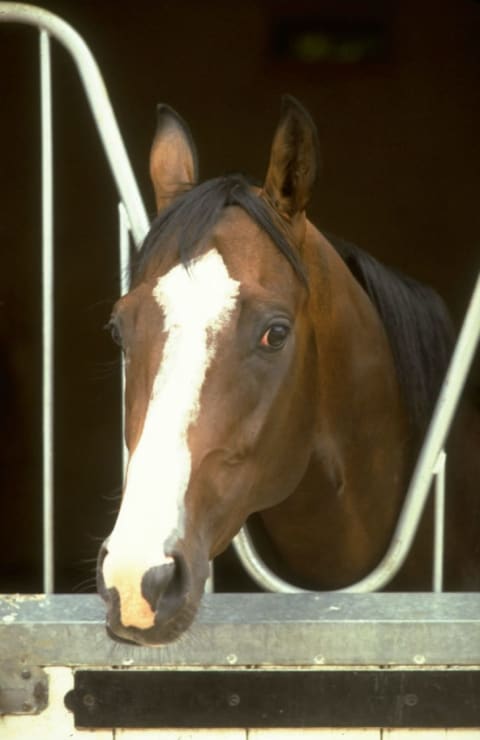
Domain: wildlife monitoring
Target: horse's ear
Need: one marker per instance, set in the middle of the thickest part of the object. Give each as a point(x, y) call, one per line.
point(173, 157)
point(294, 160)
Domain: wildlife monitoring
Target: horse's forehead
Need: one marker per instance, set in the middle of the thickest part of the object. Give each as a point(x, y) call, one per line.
point(250, 254)
point(236, 231)
point(197, 294)
point(200, 293)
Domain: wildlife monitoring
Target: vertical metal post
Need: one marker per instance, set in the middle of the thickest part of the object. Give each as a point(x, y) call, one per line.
point(439, 522)
point(210, 582)
point(47, 314)
point(124, 246)
point(124, 282)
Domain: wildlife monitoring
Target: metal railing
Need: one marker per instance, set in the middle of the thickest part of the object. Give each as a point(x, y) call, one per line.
point(133, 221)
point(50, 25)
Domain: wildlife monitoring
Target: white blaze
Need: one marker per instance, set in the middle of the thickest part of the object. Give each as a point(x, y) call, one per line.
point(196, 303)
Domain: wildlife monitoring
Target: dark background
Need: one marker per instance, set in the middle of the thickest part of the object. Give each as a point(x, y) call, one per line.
point(394, 89)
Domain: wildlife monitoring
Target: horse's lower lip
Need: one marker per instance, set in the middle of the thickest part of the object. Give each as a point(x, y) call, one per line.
point(118, 638)
point(130, 641)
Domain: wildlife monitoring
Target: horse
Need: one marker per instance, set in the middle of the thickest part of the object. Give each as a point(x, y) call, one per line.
point(271, 372)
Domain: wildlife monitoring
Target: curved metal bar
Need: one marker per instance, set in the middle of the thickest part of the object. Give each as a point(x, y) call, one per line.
point(421, 480)
point(99, 103)
point(48, 358)
point(257, 569)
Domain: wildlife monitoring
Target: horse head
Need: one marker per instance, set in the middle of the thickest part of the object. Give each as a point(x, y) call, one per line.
point(219, 385)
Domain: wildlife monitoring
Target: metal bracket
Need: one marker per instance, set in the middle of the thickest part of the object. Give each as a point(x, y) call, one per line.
point(23, 689)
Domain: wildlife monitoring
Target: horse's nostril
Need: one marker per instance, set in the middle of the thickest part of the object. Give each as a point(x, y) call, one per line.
point(165, 586)
point(156, 581)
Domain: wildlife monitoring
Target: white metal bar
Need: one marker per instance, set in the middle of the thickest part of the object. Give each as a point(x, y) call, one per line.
point(99, 103)
point(439, 523)
point(210, 582)
point(124, 249)
point(47, 314)
point(257, 569)
point(421, 480)
point(124, 281)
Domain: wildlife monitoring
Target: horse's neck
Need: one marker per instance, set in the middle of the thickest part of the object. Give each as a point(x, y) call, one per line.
point(347, 503)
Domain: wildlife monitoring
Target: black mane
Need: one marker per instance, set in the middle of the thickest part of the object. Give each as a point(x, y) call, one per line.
point(415, 319)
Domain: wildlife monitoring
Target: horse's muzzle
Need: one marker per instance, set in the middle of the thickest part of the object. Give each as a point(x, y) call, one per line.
point(165, 608)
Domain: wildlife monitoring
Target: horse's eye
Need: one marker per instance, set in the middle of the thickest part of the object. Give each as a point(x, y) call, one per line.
point(275, 337)
point(112, 327)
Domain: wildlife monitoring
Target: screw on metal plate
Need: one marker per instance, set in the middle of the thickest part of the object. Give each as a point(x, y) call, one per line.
point(233, 700)
point(23, 690)
point(89, 701)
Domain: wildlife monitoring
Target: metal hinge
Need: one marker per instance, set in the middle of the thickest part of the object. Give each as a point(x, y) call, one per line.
point(23, 689)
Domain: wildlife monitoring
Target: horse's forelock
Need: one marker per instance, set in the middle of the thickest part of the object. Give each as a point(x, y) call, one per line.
point(182, 227)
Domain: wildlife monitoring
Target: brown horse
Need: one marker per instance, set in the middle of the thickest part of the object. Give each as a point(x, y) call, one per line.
point(266, 371)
